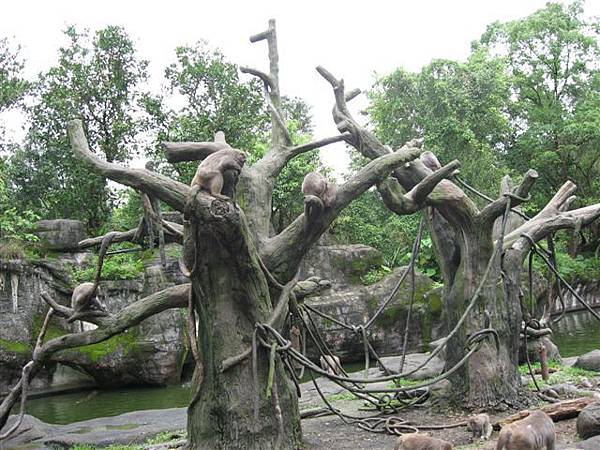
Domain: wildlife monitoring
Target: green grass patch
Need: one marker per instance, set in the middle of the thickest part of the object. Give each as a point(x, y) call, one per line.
point(15, 346)
point(166, 436)
point(95, 352)
point(563, 374)
point(342, 396)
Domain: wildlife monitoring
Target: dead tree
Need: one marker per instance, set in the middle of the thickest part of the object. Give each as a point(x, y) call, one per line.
point(241, 278)
point(464, 244)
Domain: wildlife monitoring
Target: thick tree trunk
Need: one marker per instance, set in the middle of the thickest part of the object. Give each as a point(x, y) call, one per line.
point(489, 377)
point(231, 295)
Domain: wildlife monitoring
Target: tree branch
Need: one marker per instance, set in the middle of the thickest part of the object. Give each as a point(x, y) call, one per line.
point(174, 234)
point(283, 253)
point(519, 195)
point(191, 151)
point(552, 218)
point(170, 191)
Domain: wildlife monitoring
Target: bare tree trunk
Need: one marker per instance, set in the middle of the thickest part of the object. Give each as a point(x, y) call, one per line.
point(231, 296)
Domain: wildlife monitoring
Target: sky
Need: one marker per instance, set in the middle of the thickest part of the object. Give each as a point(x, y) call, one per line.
point(355, 40)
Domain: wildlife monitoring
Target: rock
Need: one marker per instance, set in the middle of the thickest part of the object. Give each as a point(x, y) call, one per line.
point(589, 361)
point(60, 234)
point(129, 428)
point(343, 265)
point(355, 304)
point(588, 421)
point(414, 360)
point(590, 444)
point(30, 430)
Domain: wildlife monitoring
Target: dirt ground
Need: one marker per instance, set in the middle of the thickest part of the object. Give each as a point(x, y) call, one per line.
point(333, 434)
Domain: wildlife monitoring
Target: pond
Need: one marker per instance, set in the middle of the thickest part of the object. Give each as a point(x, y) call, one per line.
point(576, 334)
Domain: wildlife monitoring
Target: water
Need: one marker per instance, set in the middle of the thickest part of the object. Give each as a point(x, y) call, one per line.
point(69, 408)
point(577, 333)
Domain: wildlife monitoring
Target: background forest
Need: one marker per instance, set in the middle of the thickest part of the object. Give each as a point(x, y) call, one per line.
point(527, 96)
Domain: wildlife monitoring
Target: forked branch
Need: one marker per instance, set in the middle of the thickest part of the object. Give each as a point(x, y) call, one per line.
point(169, 191)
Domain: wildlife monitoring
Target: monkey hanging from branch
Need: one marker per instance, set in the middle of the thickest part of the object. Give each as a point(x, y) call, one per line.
point(319, 193)
point(84, 300)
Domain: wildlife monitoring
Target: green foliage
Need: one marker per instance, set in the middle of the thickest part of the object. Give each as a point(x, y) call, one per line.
point(18, 225)
point(553, 58)
point(583, 267)
point(375, 275)
point(124, 266)
point(127, 214)
point(458, 108)
point(213, 99)
point(96, 78)
point(12, 86)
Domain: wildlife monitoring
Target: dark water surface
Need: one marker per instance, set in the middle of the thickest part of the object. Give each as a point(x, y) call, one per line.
point(576, 334)
point(69, 408)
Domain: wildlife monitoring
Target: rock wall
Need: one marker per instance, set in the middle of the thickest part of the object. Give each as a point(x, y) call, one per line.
point(153, 352)
point(353, 303)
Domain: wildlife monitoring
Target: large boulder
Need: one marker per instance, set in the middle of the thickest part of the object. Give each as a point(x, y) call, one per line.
point(60, 234)
point(589, 361)
point(343, 265)
point(588, 421)
point(352, 302)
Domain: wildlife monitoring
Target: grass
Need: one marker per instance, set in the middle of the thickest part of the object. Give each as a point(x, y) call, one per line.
point(15, 346)
point(563, 374)
point(160, 438)
point(342, 396)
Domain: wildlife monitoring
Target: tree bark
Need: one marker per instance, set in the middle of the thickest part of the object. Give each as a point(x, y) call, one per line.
point(231, 297)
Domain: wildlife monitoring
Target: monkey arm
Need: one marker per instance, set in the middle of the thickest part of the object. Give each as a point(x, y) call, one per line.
point(169, 191)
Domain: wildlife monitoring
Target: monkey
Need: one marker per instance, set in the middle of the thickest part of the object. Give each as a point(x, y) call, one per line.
point(319, 193)
point(480, 426)
point(84, 296)
point(210, 174)
point(419, 441)
point(430, 161)
point(331, 364)
point(534, 432)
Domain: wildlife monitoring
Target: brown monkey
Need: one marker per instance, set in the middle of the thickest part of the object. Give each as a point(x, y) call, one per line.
point(331, 364)
point(430, 161)
point(534, 432)
point(419, 441)
point(84, 296)
point(480, 426)
point(210, 173)
point(319, 193)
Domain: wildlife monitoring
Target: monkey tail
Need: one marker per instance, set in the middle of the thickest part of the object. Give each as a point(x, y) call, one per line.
point(313, 207)
point(103, 249)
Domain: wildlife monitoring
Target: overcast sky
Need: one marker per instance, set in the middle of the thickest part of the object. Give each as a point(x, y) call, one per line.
point(353, 39)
